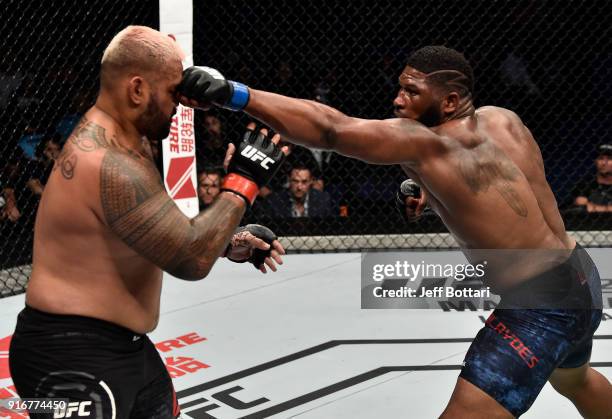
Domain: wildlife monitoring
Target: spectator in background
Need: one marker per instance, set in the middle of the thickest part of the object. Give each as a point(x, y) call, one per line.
point(514, 71)
point(296, 155)
point(32, 136)
point(595, 194)
point(9, 183)
point(8, 208)
point(39, 170)
point(51, 150)
point(209, 185)
point(213, 127)
point(78, 105)
point(314, 159)
point(300, 199)
point(284, 79)
point(2, 202)
point(22, 200)
point(23, 179)
point(210, 140)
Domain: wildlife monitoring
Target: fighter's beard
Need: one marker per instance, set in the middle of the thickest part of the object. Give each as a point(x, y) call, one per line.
point(431, 117)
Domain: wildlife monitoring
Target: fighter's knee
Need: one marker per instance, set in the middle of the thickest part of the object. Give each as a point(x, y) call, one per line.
point(567, 390)
point(569, 382)
point(454, 409)
point(462, 412)
point(458, 409)
point(447, 414)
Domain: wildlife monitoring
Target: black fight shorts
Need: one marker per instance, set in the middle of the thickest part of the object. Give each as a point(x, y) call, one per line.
point(520, 345)
point(104, 371)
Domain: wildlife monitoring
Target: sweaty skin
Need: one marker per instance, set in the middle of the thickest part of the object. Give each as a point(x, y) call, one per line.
point(481, 170)
point(106, 227)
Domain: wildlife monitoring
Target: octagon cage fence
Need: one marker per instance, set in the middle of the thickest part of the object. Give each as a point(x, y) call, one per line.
point(548, 61)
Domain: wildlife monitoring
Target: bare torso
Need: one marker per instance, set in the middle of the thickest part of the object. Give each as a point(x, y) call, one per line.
point(79, 266)
point(490, 190)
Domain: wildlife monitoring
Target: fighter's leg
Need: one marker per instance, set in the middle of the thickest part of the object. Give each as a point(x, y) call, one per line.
point(91, 363)
point(509, 362)
point(470, 401)
point(590, 391)
point(157, 398)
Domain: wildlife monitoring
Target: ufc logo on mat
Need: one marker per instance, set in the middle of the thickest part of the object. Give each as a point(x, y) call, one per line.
point(254, 155)
point(73, 409)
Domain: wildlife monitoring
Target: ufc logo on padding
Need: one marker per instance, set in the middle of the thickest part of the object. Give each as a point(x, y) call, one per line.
point(253, 154)
point(80, 409)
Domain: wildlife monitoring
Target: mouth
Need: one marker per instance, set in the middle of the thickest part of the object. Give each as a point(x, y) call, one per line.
point(398, 109)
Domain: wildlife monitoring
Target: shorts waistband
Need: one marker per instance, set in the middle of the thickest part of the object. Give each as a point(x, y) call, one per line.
point(563, 286)
point(33, 318)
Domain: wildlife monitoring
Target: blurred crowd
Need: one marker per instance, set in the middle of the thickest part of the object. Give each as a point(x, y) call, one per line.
point(311, 183)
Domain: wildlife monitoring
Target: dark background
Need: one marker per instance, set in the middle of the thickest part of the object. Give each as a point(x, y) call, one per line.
point(549, 61)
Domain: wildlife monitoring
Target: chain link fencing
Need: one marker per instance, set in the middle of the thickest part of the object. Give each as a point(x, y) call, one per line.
point(48, 77)
point(549, 61)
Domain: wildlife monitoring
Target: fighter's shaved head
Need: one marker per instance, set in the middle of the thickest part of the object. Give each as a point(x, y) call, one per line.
point(138, 50)
point(445, 67)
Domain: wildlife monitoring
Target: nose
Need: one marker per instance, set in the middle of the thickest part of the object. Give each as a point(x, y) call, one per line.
point(399, 100)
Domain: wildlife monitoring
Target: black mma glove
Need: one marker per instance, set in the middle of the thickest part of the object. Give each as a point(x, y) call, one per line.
point(253, 164)
point(258, 256)
point(408, 189)
point(206, 85)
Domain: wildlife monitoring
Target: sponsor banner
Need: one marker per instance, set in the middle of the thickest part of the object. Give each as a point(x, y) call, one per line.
point(180, 163)
point(176, 18)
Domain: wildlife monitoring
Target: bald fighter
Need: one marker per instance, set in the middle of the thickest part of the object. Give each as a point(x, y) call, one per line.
point(105, 231)
point(481, 171)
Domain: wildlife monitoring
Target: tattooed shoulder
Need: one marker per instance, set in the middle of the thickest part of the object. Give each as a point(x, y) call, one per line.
point(87, 136)
point(90, 136)
point(66, 162)
point(126, 182)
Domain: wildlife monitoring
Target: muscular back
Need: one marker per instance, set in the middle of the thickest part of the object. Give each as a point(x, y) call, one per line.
point(489, 187)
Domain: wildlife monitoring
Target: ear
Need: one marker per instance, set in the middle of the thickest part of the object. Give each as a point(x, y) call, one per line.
point(138, 91)
point(450, 103)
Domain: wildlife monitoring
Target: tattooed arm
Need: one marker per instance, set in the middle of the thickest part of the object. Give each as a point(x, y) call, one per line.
point(137, 208)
